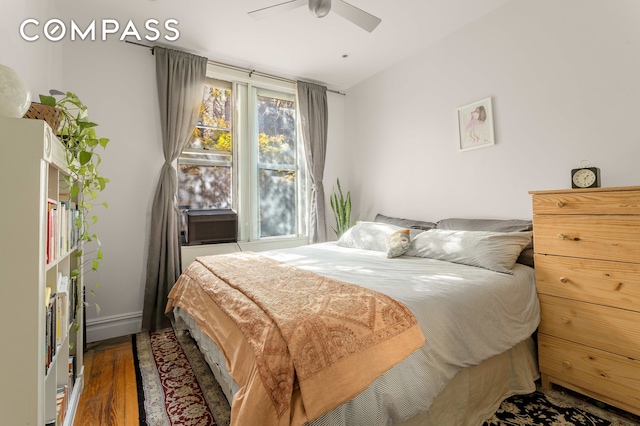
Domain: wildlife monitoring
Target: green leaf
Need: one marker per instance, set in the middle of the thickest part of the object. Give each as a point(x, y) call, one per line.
point(84, 157)
point(48, 100)
point(94, 219)
point(94, 265)
point(105, 204)
point(74, 191)
point(341, 207)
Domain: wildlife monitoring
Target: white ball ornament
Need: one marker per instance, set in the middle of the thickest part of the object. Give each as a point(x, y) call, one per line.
point(15, 97)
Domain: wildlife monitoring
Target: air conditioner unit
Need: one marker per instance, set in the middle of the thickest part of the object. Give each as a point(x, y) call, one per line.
point(211, 226)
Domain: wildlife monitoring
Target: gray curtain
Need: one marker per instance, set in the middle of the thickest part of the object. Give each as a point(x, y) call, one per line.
point(312, 102)
point(180, 77)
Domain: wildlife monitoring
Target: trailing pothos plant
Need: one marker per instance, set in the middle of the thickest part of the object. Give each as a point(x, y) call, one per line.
point(341, 207)
point(85, 181)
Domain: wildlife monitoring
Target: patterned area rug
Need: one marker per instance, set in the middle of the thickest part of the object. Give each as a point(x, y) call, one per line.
point(551, 408)
point(176, 387)
point(169, 390)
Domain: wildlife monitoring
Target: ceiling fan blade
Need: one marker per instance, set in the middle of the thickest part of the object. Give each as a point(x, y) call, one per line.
point(265, 12)
point(359, 17)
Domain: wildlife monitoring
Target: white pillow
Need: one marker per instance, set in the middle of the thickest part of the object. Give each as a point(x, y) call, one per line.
point(496, 251)
point(368, 236)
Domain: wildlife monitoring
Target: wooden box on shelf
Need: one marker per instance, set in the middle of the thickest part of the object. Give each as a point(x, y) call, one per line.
point(41, 362)
point(587, 263)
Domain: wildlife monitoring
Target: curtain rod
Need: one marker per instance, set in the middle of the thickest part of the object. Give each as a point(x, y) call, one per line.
point(236, 68)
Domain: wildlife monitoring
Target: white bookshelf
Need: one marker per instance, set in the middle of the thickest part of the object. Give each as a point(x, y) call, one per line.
point(32, 170)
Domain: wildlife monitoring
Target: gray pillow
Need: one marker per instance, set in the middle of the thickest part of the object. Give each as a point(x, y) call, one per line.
point(405, 223)
point(496, 251)
point(494, 225)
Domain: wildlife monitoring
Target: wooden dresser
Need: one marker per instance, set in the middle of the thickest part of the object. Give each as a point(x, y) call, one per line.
point(587, 263)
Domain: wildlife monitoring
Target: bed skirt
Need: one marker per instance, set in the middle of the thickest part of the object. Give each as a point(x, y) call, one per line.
point(475, 393)
point(470, 398)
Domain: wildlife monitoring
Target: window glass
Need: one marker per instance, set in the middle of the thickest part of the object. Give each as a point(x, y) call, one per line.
point(205, 168)
point(277, 164)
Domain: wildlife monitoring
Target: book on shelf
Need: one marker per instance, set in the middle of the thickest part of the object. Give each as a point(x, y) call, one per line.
point(50, 334)
point(71, 214)
point(58, 315)
point(51, 229)
point(63, 308)
point(62, 403)
point(72, 296)
point(72, 371)
point(62, 227)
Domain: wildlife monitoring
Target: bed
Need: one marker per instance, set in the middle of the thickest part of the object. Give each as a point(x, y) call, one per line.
point(475, 305)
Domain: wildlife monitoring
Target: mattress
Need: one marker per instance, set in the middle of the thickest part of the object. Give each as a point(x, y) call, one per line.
point(468, 315)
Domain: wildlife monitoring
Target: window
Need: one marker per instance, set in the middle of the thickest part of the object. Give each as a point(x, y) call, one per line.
point(205, 166)
point(244, 155)
point(277, 164)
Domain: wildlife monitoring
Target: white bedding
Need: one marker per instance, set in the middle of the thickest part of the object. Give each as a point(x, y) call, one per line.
point(467, 315)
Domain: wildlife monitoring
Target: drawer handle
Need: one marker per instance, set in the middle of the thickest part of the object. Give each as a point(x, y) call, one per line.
point(560, 204)
point(565, 320)
point(564, 279)
point(566, 364)
point(564, 237)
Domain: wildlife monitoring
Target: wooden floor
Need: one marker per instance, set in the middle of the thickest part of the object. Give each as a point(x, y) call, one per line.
point(109, 397)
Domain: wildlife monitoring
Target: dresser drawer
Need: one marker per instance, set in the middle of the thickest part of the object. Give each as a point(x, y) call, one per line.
point(598, 237)
point(593, 202)
point(612, 377)
point(611, 329)
point(596, 281)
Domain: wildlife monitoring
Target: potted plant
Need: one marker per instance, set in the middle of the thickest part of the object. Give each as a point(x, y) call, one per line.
point(78, 136)
point(341, 207)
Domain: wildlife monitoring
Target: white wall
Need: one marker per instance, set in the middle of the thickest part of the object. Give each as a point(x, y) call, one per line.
point(38, 63)
point(564, 80)
point(336, 160)
point(117, 82)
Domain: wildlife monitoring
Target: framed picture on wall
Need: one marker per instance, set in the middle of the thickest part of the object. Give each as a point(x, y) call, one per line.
point(475, 125)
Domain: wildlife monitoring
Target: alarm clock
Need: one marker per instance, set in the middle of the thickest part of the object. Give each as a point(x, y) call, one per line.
point(585, 177)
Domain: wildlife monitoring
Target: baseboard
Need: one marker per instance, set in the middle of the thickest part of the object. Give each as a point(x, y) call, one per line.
point(114, 326)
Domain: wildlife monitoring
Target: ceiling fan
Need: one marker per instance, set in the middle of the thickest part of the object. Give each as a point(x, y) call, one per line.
point(320, 9)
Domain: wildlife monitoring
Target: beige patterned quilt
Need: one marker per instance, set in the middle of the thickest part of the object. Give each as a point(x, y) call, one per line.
point(298, 344)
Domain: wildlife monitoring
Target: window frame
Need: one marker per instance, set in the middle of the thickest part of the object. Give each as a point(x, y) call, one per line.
point(244, 152)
